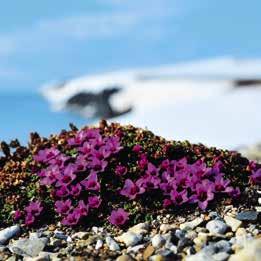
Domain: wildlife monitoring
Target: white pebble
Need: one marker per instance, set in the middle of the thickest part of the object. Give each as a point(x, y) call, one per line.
point(129, 238)
point(158, 241)
point(99, 244)
point(113, 246)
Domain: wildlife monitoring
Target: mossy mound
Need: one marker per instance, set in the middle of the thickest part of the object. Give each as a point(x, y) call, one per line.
point(134, 170)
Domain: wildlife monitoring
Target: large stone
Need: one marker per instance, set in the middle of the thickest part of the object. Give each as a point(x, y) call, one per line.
point(129, 238)
point(233, 223)
point(141, 228)
point(252, 251)
point(28, 247)
point(216, 227)
point(158, 241)
point(192, 224)
point(247, 216)
point(8, 233)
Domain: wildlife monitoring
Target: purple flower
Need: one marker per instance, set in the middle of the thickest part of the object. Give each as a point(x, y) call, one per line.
point(118, 217)
point(63, 207)
point(75, 190)
point(143, 162)
point(204, 194)
point(256, 177)
point(86, 148)
point(130, 190)
point(82, 209)
point(46, 155)
point(165, 164)
point(233, 192)
point(152, 170)
point(91, 183)
point(220, 184)
point(182, 179)
point(113, 144)
point(71, 220)
point(29, 219)
point(98, 165)
point(34, 208)
point(67, 177)
point(59, 160)
point(148, 182)
point(81, 163)
point(179, 198)
point(167, 203)
point(17, 215)
point(92, 134)
point(49, 176)
point(78, 139)
point(94, 202)
point(120, 170)
point(137, 148)
point(166, 187)
point(62, 192)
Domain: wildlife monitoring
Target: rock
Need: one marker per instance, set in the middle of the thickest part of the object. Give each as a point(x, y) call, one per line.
point(201, 240)
point(216, 227)
point(43, 256)
point(113, 246)
point(247, 216)
point(124, 258)
point(171, 247)
point(140, 229)
point(252, 251)
point(191, 234)
point(157, 258)
point(136, 248)
point(222, 256)
point(129, 238)
point(158, 241)
point(166, 227)
point(8, 233)
point(60, 235)
point(80, 235)
point(233, 223)
point(200, 256)
point(192, 224)
point(99, 244)
point(56, 242)
point(148, 252)
point(92, 239)
point(95, 230)
point(28, 247)
point(222, 246)
point(180, 233)
point(184, 242)
point(241, 232)
point(240, 241)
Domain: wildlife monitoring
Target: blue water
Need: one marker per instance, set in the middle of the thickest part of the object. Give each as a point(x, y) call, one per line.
point(25, 112)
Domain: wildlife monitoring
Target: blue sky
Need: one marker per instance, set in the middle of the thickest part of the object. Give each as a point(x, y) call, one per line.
point(48, 40)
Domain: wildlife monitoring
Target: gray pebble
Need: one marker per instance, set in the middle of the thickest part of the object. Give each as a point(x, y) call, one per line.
point(216, 227)
point(8, 233)
point(247, 216)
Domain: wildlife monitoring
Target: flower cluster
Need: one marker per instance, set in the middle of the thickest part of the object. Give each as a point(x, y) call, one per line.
point(180, 182)
point(95, 173)
point(75, 182)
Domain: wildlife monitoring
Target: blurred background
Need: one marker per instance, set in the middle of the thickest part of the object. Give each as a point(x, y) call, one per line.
point(204, 53)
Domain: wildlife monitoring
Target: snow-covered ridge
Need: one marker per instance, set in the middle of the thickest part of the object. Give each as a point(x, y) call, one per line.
point(195, 101)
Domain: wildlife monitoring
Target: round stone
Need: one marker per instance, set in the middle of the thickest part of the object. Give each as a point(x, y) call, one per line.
point(216, 227)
